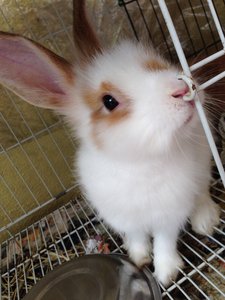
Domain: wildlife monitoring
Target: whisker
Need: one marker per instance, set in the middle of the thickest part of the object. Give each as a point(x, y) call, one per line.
point(180, 148)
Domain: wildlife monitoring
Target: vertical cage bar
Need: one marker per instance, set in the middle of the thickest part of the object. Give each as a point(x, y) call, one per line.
point(217, 22)
point(174, 37)
point(187, 72)
point(210, 139)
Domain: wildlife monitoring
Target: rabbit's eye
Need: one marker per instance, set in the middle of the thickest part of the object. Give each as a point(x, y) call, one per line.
point(109, 102)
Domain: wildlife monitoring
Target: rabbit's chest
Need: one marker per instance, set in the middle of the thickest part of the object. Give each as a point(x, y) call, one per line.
point(144, 193)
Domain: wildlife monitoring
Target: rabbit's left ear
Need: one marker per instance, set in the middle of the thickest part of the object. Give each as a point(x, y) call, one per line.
point(38, 75)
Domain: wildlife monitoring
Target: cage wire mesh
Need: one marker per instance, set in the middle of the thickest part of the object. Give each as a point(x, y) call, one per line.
point(37, 149)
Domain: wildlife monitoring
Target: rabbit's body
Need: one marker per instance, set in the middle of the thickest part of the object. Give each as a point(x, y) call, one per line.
point(145, 165)
point(143, 161)
point(148, 194)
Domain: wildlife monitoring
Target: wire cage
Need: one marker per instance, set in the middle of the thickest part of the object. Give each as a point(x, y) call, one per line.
point(44, 221)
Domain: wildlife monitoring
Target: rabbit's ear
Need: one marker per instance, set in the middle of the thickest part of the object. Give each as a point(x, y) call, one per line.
point(35, 73)
point(85, 39)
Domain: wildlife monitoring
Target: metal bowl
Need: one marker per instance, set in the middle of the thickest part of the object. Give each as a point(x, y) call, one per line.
point(97, 277)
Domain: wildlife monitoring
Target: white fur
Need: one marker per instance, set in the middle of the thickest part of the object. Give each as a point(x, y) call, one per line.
point(149, 170)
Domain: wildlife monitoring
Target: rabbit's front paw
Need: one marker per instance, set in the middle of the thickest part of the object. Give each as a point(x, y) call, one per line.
point(140, 255)
point(139, 249)
point(166, 268)
point(205, 217)
point(140, 260)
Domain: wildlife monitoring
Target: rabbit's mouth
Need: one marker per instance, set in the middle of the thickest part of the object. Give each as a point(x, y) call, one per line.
point(190, 110)
point(191, 103)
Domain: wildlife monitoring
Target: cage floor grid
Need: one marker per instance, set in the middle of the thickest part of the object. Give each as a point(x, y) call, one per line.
point(75, 230)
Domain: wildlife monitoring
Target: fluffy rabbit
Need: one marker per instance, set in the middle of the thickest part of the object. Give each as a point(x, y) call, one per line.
point(143, 161)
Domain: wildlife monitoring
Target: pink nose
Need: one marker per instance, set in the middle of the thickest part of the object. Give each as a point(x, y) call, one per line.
point(180, 92)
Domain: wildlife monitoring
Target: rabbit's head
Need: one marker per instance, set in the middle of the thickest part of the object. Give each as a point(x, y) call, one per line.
point(126, 100)
point(132, 101)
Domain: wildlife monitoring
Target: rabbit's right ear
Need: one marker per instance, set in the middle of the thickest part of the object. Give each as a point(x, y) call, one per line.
point(35, 73)
point(85, 39)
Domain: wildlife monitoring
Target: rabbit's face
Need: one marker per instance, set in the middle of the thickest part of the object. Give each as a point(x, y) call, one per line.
point(134, 101)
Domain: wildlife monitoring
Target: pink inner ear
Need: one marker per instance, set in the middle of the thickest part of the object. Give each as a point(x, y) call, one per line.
point(22, 64)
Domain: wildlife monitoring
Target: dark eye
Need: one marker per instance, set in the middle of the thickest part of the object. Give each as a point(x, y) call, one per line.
point(109, 102)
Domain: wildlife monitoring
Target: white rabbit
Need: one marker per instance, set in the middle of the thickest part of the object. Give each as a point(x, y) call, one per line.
point(143, 160)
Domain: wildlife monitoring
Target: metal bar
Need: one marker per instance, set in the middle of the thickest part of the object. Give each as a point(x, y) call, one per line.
point(104, 227)
point(51, 35)
point(194, 269)
point(32, 211)
point(186, 277)
point(29, 29)
point(66, 230)
point(1, 271)
point(161, 29)
point(208, 22)
point(82, 208)
point(144, 19)
point(202, 274)
point(202, 259)
point(54, 141)
point(199, 29)
point(37, 142)
point(25, 278)
point(207, 60)
point(27, 157)
point(204, 245)
point(7, 263)
point(174, 37)
point(62, 23)
point(22, 179)
point(217, 22)
point(29, 138)
point(45, 243)
point(131, 22)
point(210, 138)
point(30, 252)
point(187, 72)
point(211, 81)
point(215, 240)
point(15, 198)
point(218, 198)
point(52, 238)
point(61, 239)
point(6, 20)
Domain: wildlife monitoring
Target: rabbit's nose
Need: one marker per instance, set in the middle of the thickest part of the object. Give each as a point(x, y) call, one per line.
point(179, 93)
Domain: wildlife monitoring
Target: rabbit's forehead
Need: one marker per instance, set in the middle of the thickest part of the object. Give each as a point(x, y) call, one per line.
point(127, 65)
point(129, 56)
point(156, 64)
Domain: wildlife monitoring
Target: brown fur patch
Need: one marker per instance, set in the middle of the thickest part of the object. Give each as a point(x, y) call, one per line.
point(112, 118)
point(94, 100)
point(100, 116)
point(155, 65)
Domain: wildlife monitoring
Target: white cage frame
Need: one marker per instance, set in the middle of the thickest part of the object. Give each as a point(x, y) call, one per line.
point(188, 69)
point(44, 244)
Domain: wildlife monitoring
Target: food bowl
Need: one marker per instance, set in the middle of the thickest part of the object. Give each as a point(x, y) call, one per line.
point(97, 277)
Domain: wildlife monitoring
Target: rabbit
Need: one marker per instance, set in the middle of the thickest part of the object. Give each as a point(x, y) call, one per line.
point(143, 160)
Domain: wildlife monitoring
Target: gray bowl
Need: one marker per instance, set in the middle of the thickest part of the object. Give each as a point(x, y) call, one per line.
point(97, 277)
